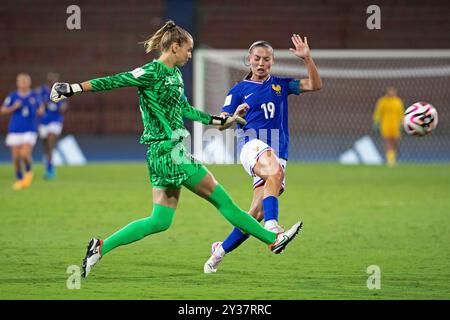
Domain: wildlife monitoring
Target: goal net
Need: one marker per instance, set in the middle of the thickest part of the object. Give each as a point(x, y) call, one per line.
point(335, 123)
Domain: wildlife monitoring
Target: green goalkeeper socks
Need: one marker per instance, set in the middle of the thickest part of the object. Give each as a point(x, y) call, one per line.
point(222, 201)
point(162, 217)
point(226, 206)
point(160, 220)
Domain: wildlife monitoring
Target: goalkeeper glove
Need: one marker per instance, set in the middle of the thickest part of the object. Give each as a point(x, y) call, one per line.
point(226, 121)
point(61, 90)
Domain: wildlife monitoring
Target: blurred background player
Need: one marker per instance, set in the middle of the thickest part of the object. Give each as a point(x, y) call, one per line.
point(23, 105)
point(387, 118)
point(263, 142)
point(50, 123)
point(163, 106)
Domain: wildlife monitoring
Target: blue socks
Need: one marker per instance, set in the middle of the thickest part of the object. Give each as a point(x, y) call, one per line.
point(49, 167)
point(19, 175)
point(234, 240)
point(237, 237)
point(270, 206)
point(27, 167)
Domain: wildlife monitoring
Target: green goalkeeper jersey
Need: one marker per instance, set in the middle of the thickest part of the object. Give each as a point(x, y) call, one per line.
point(162, 101)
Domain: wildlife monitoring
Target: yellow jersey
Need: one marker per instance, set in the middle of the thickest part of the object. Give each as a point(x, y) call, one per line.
point(389, 114)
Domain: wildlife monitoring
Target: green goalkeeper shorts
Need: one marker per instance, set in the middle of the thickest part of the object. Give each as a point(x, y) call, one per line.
point(170, 164)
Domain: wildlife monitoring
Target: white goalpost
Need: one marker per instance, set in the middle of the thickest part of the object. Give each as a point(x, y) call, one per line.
point(325, 125)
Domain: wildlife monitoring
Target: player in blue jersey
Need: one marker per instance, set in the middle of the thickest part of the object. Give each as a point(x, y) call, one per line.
point(23, 105)
point(263, 142)
point(51, 122)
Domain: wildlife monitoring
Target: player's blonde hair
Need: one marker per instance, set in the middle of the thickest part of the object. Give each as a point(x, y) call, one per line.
point(163, 38)
point(259, 43)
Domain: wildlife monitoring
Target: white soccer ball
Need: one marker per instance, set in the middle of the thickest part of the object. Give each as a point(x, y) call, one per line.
point(420, 119)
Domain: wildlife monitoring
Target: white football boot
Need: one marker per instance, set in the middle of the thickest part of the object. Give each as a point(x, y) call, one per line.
point(285, 237)
point(213, 262)
point(93, 256)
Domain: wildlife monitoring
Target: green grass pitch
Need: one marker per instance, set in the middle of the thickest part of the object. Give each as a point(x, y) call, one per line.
point(354, 217)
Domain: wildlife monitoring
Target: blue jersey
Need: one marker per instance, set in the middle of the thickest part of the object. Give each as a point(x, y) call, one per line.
point(52, 111)
point(24, 118)
point(267, 117)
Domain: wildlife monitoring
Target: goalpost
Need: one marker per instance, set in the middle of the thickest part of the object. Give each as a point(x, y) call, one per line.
point(326, 125)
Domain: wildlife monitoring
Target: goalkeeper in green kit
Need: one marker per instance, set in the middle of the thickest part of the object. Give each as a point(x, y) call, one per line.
point(163, 107)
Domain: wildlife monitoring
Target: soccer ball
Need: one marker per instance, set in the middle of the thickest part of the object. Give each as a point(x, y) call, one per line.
point(420, 119)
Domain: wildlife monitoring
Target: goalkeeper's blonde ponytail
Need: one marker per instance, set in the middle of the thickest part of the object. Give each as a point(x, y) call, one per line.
point(163, 38)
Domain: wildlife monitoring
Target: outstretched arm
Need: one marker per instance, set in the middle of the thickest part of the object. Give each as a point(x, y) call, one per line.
point(136, 78)
point(194, 114)
point(219, 121)
point(313, 82)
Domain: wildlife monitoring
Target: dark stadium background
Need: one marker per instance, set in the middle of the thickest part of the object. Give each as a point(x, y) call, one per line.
point(34, 39)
